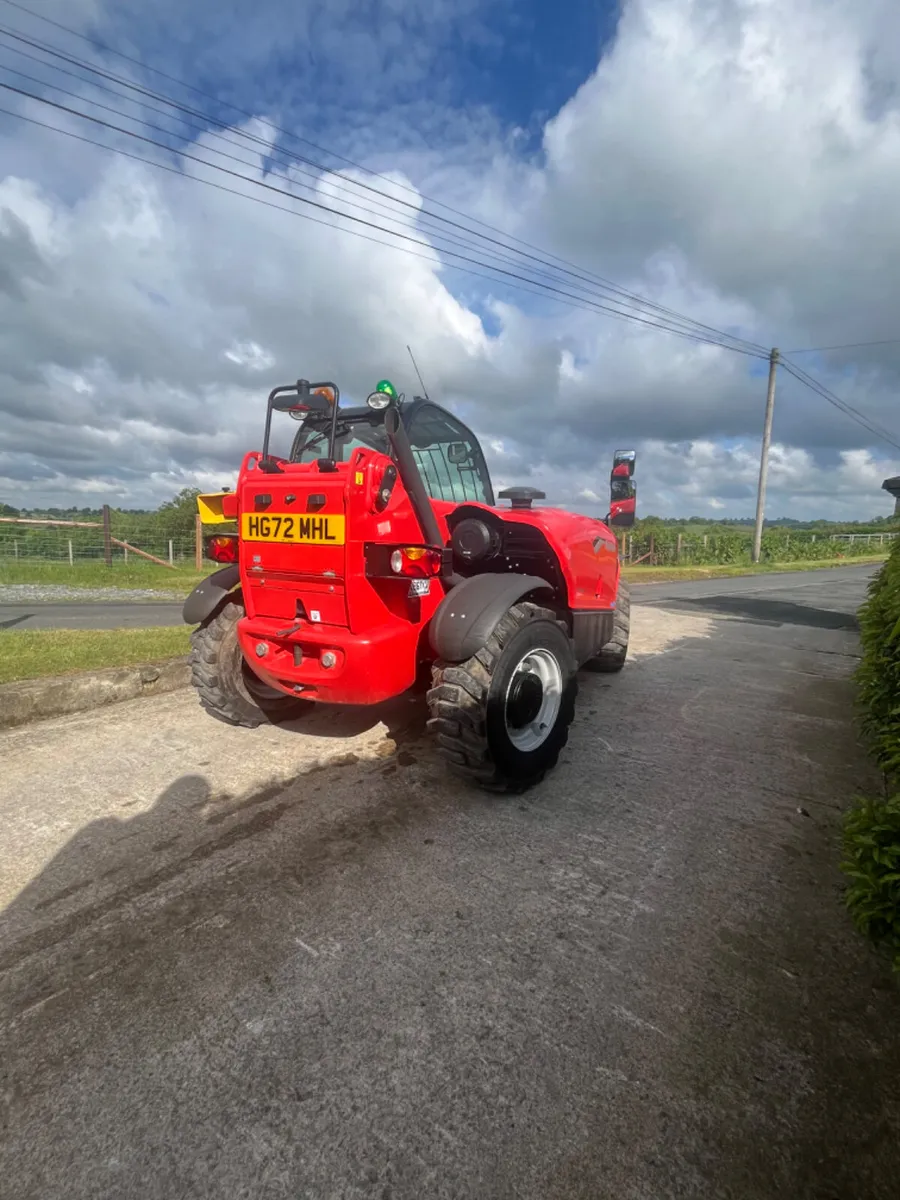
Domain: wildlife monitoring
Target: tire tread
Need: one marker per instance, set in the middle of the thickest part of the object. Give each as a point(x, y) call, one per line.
point(209, 676)
point(611, 657)
point(457, 702)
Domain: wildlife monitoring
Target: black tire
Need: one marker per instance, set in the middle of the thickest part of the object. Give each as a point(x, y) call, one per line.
point(470, 702)
point(612, 656)
point(227, 687)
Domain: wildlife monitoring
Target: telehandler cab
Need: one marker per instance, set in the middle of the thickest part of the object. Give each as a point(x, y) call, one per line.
point(371, 548)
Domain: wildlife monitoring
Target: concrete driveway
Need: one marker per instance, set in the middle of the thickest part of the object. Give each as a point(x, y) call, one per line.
point(301, 962)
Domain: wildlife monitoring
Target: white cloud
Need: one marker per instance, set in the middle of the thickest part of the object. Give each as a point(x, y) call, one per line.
point(742, 137)
point(250, 355)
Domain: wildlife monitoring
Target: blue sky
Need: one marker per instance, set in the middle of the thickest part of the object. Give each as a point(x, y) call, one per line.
point(414, 58)
point(410, 72)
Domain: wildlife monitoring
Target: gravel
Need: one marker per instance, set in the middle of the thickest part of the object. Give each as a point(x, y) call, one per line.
point(47, 593)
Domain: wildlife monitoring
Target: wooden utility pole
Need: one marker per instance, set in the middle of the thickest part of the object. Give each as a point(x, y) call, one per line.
point(764, 456)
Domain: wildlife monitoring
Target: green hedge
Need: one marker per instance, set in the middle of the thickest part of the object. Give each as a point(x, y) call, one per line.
point(872, 826)
point(879, 671)
point(872, 865)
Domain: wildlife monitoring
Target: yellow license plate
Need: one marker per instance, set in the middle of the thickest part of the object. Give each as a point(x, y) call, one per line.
point(324, 529)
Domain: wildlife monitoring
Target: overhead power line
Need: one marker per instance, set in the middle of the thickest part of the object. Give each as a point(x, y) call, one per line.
point(343, 184)
point(630, 300)
point(318, 221)
point(848, 409)
point(544, 288)
point(546, 260)
point(378, 208)
point(846, 346)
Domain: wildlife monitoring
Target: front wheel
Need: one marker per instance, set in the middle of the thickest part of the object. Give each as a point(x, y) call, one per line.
point(228, 689)
point(502, 718)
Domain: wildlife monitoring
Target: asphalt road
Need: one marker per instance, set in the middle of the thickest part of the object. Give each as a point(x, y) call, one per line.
point(300, 962)
point(90, 615)
point(838, 583)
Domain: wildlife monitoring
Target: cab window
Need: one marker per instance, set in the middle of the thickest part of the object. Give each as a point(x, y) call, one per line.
point(448, 457)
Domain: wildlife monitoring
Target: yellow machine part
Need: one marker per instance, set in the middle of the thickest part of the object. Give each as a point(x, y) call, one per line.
point(209, 506)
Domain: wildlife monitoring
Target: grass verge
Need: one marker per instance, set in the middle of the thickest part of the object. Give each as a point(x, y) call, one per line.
point(133, 574)
point(36, 653)
point(640, 574)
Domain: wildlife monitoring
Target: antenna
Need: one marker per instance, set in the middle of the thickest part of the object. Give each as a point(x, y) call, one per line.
point(419, 373)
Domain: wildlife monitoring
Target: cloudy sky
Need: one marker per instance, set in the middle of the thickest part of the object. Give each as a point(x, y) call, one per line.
point(735, 161)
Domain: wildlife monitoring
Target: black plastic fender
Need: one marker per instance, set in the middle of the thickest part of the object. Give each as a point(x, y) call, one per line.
point(206, 596)
point(468, 615)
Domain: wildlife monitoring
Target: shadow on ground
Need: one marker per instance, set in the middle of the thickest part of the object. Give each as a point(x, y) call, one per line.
point(763, 611)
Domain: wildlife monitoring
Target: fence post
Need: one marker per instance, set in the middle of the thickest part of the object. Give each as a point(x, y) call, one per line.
point(705, 540)
point(15, 548)
point(678, 549)
point(652, 559)
point(71, 555)
point(171, 554)
point(125, 548)
point(107, 538)
point(630, 547)
point(198, 543)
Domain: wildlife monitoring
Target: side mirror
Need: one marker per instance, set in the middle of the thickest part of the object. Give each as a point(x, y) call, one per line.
point(458, 452)
point(621, 513)
point(622, 490)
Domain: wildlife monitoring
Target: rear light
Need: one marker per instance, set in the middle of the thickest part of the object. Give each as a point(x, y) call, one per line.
point(223, 548)
point(417, 562)
point(402, 562)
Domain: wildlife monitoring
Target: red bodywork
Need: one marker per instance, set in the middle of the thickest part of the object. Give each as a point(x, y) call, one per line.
point(374, 628)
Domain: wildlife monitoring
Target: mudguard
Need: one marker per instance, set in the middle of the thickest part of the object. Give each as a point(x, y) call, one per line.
point(206, 596)
point(468, 615)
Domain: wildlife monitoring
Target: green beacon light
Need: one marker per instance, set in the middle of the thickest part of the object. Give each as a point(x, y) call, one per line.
point(384, 395)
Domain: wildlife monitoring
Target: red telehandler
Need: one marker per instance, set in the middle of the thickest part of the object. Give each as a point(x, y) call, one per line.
point(372, 549)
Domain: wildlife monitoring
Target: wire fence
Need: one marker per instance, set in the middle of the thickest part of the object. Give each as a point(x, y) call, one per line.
point(671, 548)
point(117, 538)
point(155, 537)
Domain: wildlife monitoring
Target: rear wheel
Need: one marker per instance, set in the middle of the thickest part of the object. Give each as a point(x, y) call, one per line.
point(502, 718)
point(611, 657)
point(227, 687)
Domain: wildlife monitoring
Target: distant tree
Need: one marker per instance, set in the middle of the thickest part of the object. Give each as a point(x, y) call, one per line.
point(177, 515)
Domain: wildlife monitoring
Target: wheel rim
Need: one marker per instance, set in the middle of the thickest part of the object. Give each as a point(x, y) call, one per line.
point(533, 700)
